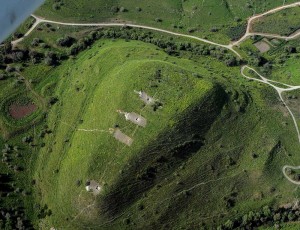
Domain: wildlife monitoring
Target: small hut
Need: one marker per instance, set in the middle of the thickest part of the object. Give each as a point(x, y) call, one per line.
point(93, 186)
point(145, 97)
point(135, 118)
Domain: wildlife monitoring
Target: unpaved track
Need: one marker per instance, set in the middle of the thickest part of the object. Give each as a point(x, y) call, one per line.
point(286, 176)
point(230, 47)
point(251, 19)
point(37, 21)
point(279, 90)
point(41, 20)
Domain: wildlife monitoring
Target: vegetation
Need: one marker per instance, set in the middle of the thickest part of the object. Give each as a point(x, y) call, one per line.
point(211, 153)
point(280, 63)
point(202, 18)
point(284, 22)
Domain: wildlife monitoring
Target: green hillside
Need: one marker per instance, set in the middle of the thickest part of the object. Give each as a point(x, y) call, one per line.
point(184, 161)
point(204, 149)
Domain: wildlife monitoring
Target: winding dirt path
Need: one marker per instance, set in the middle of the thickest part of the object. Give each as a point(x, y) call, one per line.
point(286, 176)
point(37, 21)
point(279, 90)
point(251, 19)
point(42, 20)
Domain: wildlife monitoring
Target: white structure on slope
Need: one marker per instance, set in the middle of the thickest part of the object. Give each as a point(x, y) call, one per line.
point(93, 186)
point(134, 118)
point(145, 97)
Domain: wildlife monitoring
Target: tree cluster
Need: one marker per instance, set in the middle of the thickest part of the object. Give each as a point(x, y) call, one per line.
point(267, 216)
point(171, 47)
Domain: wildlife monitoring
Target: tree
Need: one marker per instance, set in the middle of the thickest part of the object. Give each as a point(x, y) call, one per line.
point(50, 58)
point(114, 9)
point(65, 41)
point(9, 69)
point(2, 76)
point(7, 48)
point(277, 217)
point(49, 61)
point(56, 6)
point(18, 56)
point(35, 42)
point(290, 49)
point(123, 9)
point(267, 211)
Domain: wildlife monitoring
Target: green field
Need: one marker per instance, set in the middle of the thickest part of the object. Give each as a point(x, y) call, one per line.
point(284, 22)
point(208, 19)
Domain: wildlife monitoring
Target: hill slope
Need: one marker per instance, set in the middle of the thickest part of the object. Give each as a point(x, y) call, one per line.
point(193, 160)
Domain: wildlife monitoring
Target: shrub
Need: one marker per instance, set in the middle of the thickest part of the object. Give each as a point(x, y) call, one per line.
point(2, 76)
point(56, 6)
point(123, 9)
point(65, 41)
point(115, 9)
point(35, 42)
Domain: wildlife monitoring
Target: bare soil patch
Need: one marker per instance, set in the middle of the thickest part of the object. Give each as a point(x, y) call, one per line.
point(18, 111)
point(262, 46)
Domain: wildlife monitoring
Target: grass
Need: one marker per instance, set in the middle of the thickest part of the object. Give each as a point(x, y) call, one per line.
point(284, 22)
point(285, 64)
point(91, 87)
point(192, 166)
point(198, 17)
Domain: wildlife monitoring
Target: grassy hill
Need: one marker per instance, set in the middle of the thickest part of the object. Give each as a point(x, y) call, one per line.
point(214, 145)
point(192, 165)
point(215, 19)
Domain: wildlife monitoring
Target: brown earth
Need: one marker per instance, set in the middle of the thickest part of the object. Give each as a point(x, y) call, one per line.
point(17, 111)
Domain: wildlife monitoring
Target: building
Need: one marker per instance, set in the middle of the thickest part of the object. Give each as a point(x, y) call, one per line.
point(135, 118)
point(145, 97)
point(93, 186)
